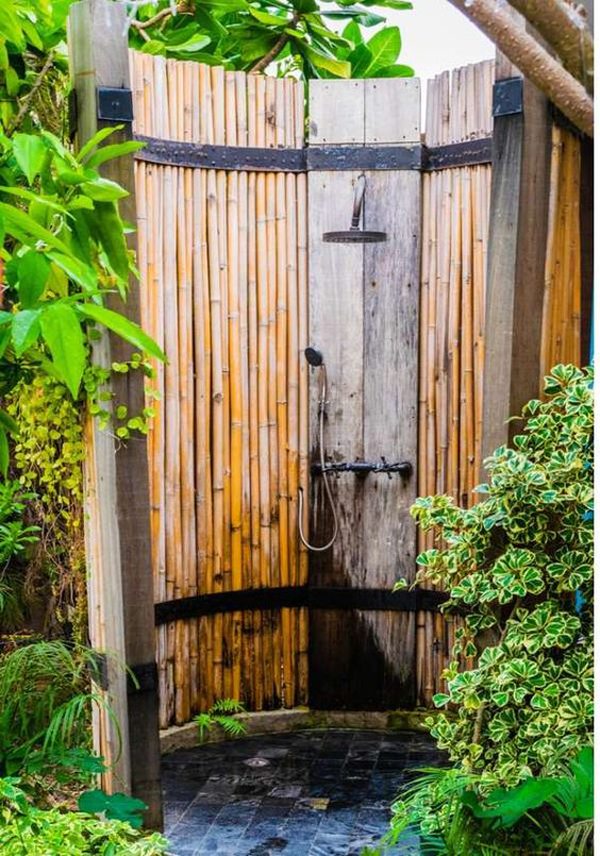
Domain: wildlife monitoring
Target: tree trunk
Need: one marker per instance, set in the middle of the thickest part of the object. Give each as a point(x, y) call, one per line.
point(532, 59)
point(566, 32)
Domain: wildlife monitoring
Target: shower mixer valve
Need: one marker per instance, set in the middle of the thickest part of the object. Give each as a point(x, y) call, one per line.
point(363, 468)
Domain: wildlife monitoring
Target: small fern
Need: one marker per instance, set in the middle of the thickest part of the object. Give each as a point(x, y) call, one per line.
point(225, 713)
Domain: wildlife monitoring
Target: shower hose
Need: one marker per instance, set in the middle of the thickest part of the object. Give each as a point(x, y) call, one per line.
point(322, 405)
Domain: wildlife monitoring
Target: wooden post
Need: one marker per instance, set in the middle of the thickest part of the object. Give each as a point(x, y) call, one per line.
point(364, 318)
point(515, 271)
point(117, 502)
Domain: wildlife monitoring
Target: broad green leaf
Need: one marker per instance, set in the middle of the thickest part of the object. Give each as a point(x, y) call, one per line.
point(396, 71)
point(30, 152)
point(361, 60)
point(108, 228)
point(25, 329)
point(84, 275)
point(34, 271)
point(268, 20)
point(123, 327)
point(385, 47)
point(104, 190)
point(23, 193)
point(320, 60)
point(116, 806)
point(62, 333)
point(98, 138)
point(117, 150)
point(18, 222)
point(192, 45)
point(8, 423)
point(352, 33)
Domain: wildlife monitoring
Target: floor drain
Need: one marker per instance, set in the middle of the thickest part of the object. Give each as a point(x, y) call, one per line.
point(257, 762)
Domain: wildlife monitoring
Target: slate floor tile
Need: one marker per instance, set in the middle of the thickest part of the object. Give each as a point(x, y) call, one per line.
point(320, 794)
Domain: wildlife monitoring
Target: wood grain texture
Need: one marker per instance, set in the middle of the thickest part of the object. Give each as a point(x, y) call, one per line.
point(99, 56)
point(363, 317)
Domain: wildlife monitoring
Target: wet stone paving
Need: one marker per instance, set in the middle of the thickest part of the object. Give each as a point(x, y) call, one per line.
point(311, 793)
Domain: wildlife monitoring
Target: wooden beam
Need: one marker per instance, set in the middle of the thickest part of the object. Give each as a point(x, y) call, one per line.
point(515, 271)
point(533, 60)
point(117, 502)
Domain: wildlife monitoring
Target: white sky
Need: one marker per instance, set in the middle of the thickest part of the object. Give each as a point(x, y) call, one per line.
point(436, 37)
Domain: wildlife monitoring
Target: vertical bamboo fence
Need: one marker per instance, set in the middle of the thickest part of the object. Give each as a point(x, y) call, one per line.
point(224, 267)
point(453, 279)
point(561, 324)
point(223, 259)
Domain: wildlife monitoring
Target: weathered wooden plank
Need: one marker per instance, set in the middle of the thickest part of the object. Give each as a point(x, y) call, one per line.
point(363, 317)
point(119, 528)
point(515, 273)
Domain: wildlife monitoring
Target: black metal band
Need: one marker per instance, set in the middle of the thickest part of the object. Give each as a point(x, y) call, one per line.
point(314, 158)
point(296, 597)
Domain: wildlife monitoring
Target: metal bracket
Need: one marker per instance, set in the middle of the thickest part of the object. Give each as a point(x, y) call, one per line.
point(508, 97)
point(114, 105)
point(363, 468)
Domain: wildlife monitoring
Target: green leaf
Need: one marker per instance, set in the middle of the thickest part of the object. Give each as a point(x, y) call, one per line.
point(18, 222)
point(30, 152)
point(33, 271)
point(84, 275)
point(104, 190)
point(4, 454)
point(116, 806)
point(440, 699)
point(109, 228)
point(320, 60)
point(385, 48)
point(25, 329)
point(8, 423)
point(117, 150)
point(361, 60)
point(96, 140)
point(63, 335)
point(396, 71)
point(268, 20)
point(123, 327)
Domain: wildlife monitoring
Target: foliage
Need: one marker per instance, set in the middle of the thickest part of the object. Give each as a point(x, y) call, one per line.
point(45, 705)
point(115, 806)
point(16, 539)
point(540, 816)
point(299, 34)
point(224, 713)
point(29, 831)
point(512, 565)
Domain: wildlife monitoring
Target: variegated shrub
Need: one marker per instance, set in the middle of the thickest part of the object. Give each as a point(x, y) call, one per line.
point(518, 566)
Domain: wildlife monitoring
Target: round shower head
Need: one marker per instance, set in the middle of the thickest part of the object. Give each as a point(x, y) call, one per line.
point(354, 236)
point(313, 357)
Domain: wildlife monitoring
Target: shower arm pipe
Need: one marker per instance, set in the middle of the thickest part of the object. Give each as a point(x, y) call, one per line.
point(359, 195)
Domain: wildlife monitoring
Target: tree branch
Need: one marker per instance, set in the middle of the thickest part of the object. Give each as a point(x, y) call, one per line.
point(31, 94)
point(532, 59)
point(566, 32)
point(277, 47)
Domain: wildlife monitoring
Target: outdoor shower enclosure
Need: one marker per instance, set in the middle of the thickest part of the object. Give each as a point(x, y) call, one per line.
point(233, 198)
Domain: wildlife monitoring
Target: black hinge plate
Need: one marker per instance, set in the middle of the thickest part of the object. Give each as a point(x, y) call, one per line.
point(115, 105)
point(508, 97)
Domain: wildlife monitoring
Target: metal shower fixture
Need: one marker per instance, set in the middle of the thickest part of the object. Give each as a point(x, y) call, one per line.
point(356, 235)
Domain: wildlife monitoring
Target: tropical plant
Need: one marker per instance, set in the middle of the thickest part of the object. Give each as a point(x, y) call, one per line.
point(512, 565)
point(117, 806)
point(296, 35)
point(45, 707)
point(225, 713)
point(29, 831)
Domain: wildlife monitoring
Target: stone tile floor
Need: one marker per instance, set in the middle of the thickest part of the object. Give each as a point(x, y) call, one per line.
point(311, 793)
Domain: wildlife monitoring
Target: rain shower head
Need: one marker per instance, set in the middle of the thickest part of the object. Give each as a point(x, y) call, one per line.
point(313, 357)
point(356, 235)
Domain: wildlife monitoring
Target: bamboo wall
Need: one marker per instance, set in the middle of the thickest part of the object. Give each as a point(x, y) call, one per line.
point(452, 313)
point(223, 261)
point(222, 258)
point(561, 323)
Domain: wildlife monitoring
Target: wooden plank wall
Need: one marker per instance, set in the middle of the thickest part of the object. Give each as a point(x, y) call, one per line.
point(224, 267)
point(363, 317)
point(452, 313)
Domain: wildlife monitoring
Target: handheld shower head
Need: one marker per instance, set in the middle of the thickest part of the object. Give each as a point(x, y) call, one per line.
point(313, 357)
